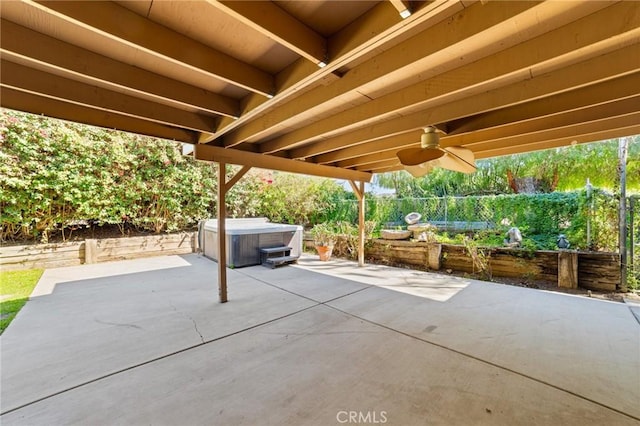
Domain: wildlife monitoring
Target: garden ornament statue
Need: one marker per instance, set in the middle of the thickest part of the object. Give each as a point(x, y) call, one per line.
point(514, 238)
point(562, 242)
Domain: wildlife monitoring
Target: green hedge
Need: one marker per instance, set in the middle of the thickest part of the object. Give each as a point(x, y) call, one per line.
point(55, 174)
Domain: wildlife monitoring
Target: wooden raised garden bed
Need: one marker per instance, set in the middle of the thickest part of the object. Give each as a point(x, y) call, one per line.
point(594, 270)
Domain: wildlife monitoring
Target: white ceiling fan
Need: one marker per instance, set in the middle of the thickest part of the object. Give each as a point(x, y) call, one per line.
point(420, 161)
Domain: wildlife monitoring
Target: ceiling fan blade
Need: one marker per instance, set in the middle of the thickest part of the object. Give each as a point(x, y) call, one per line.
point(458, 159)
point(415, 156)
point(422, 169)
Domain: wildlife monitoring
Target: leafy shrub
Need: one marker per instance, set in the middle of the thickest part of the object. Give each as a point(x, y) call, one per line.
point(55, 174)
point(299, 200)
point(540, 217)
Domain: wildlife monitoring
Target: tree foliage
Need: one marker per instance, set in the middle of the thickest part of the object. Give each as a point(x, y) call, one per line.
point(597, 162)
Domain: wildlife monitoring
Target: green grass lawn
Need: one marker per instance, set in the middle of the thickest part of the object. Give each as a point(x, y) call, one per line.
point(15, 288)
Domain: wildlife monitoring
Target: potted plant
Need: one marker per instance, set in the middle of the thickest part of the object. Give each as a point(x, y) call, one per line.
point(324, 237)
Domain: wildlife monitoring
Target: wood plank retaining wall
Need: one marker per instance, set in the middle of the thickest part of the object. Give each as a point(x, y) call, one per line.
point(596, 271)
point(93, 251)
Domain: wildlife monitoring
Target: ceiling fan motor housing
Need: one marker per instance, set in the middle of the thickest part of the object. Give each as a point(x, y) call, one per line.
point(429, 138)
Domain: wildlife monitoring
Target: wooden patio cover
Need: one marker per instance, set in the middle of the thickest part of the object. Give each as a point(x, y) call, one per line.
point(329, 88)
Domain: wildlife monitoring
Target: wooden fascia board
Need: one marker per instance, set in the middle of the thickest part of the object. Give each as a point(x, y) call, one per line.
point(33, 46)
point(555, 49)
point(598, 69)
point(34, 104)
point(263, 161)
point(272, 21)
point(118, 23)
point(53, 86)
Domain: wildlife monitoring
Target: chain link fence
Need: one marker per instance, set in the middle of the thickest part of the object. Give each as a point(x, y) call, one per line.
point(588, 219)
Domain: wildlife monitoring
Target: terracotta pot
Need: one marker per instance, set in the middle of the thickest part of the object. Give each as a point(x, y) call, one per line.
point(324, 252)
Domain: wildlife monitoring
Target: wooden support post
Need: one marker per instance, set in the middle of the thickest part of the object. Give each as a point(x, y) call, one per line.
point(622, 210)
point(568, 269)
point(223, 188)
point(90, 251)
point(222, 234)
point(358, 189)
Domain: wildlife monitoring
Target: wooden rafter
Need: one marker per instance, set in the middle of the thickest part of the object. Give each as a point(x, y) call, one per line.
point(28, 45)
point(30, 80)
point(274, 22)
point(420, 47)
point(360, 38)
point(596, 94)
point(116, 22)
point(601, 68)
point(29, 102)
point(524, 74)
point(371, 151)
point(505, 67)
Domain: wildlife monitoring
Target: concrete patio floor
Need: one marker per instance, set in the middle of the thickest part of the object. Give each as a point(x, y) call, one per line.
point(146, 342)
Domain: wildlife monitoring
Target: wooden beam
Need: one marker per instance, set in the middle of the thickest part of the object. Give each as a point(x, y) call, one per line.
point(358, 189)
point(33, 46)
point(29, 102)
point(222, 232)
point(554, 50)
point(118, 23)
point(371, 158)
point(274, 22)
point(610, 66)
point(30, 80)
point(263, 161)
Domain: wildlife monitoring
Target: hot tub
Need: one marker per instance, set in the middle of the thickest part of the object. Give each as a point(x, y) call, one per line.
point(245, 238)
